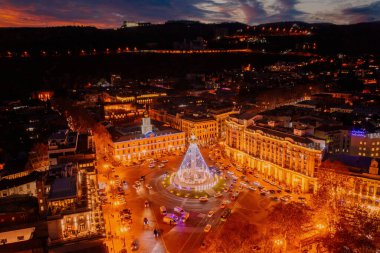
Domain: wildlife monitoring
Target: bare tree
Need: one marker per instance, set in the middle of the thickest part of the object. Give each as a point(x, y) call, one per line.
point(285, 223)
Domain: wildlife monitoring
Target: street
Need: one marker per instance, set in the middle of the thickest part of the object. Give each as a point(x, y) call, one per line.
point(250, 207)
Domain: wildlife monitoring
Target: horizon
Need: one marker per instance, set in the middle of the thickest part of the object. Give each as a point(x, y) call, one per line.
point(188, 20)
point(111, 14)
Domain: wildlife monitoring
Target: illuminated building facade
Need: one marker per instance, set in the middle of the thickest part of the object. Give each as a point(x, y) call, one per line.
point(120, 111)
point(360, 176)
point(137, 143)
point(205, 128)
point(280, 155)
point(147, 98)
point(365, 144)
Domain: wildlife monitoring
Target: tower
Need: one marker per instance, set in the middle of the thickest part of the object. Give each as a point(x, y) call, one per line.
point(146, 125)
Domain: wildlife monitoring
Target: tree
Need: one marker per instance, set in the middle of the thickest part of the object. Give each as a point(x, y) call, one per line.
point(350, 224)
point(37, 158)
point(285, 222)
point(234, 237)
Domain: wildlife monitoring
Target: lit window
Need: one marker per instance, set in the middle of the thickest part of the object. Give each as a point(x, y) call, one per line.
point(360, 154)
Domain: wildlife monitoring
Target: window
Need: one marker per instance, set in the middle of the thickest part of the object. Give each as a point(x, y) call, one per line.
point(20, 237)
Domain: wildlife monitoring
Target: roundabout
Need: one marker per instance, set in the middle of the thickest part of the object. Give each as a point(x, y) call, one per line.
point(194, 179)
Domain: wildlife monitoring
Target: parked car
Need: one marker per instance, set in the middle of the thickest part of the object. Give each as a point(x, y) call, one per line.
point(207, 228)
point(203, 199)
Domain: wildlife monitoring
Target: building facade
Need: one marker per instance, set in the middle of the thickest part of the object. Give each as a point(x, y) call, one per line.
point(147, 142)
point(205, 129)
point(284, 157)
point(365, 144)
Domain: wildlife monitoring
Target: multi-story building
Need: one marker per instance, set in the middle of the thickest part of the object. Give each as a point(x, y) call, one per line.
point(276, 152)
point(221, 116)
point(32, 184)
point(73, 208)
point(337, 138)
point(205, 128)
point(65, 146)
point(119, 111)
point(365, 144)
point(134, 143)
point(360, 176)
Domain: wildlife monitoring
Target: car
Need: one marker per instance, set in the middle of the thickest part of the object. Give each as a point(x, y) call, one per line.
point(210, 213)
point(256, 183)
point(272, 191)
point(138, 183)
point(161, 165)
point(142, 178)
point(251, 188)
point(163, 210)
point(178, 209)
point(222, 206)
point(276, 199)
point(203, 199)
point(226, 213)
point(152, 165)
point(284, 199)
point(261, 187)
point(218, 194)
point(136, 186)
point(207, 228)
point(146, 203)
point(149, 187)
point(164, 161)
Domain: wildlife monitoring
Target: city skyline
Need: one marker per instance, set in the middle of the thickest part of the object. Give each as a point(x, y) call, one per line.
point(111, 14)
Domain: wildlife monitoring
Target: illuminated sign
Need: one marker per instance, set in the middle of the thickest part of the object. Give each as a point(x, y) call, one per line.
point(150, 134)
point(359, 133)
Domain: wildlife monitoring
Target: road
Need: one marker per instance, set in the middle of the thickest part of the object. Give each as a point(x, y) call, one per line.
point(250, 207)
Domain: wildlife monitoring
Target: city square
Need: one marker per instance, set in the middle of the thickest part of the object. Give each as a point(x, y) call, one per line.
point(197, 126)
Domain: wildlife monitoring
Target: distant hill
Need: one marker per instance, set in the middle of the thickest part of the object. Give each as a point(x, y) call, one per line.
point(356, 38)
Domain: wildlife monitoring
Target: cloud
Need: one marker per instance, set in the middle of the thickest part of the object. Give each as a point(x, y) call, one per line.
point(111, 13)
point(363, 13)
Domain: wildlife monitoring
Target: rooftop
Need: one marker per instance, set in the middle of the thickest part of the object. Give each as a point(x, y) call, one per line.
point(282, 132)
point(63, 188)
point(10, 183)
point(120, 134)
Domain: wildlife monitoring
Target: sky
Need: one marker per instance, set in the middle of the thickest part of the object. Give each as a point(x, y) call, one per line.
point(111, 13)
